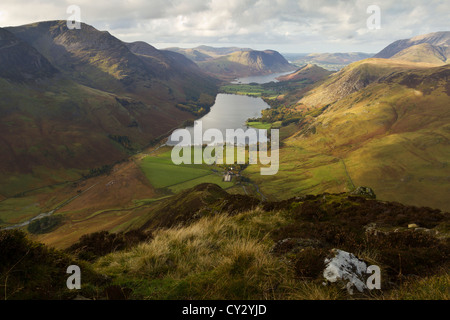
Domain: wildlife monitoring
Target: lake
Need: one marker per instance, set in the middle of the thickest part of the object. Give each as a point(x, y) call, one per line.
point(231, 111)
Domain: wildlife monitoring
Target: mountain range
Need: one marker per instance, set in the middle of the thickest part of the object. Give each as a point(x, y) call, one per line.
point(381, 122)
point(230, 62)
point(206, 53)
point(74, 100)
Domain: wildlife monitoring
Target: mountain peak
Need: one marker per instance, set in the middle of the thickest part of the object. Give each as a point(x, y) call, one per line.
point(440, 38)
point(432, 47)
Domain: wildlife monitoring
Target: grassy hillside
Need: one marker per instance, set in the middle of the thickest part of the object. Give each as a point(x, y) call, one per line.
point(385, 125)
point(423, 52)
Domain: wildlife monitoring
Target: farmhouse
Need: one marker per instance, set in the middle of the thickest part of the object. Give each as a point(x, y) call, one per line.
point(227, 177)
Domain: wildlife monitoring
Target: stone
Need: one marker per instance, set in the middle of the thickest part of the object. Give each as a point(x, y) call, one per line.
point(344, 267)
point(365, 192)
point(412, 226)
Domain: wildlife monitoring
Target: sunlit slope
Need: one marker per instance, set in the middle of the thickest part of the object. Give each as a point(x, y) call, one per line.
point(433, 48)
point(356, 77)
point(424, 52)
point(308, 72)
point(387, 126)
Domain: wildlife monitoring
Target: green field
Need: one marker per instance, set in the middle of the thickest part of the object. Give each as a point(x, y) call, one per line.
point(163, 173)
point(259, 125)
point(255, 90)
point(17, 210)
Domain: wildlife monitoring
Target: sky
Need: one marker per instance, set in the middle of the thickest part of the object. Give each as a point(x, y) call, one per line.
point(288, 26)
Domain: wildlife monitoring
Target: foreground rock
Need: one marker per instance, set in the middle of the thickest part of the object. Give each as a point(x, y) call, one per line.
point(343, 267)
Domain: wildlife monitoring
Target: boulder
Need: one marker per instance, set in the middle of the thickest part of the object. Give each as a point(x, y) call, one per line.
point(344, 268)
point(365, 192)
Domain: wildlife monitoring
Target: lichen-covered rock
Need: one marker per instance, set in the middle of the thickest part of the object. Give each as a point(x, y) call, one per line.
point(343, 267)
point(365, 192)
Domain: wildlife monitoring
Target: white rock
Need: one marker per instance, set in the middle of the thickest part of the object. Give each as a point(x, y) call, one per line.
point(344, 266)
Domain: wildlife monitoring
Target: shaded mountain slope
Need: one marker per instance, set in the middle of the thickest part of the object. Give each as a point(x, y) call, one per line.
point(100, 60)
point(95, 103)
point(21, 62)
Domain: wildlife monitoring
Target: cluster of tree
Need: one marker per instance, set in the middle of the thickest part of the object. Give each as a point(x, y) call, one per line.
point(124, 141)
point(281, 114)
point(105, 169)
point(45, 224)
point(194, 108)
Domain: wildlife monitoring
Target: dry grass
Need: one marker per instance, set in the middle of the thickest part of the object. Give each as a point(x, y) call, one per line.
point(229, 257)
point(216, 257)
point(435, 287)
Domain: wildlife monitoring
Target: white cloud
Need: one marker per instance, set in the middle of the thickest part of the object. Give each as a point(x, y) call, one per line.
point(285, 25)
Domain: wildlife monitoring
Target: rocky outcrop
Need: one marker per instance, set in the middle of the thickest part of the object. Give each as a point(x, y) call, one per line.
point(344, 268)
point(365, 192)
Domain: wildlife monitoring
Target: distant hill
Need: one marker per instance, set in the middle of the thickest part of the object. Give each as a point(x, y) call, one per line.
point(233, 62)
point(430, 48)
point(308, 72)
point(337, 58)
point(247, 63)
point(329, 61)
point(75, 100)
point(206, 53)
point(192, 54)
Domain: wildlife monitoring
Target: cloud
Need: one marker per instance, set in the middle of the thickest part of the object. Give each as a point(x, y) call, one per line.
point(286, 25)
